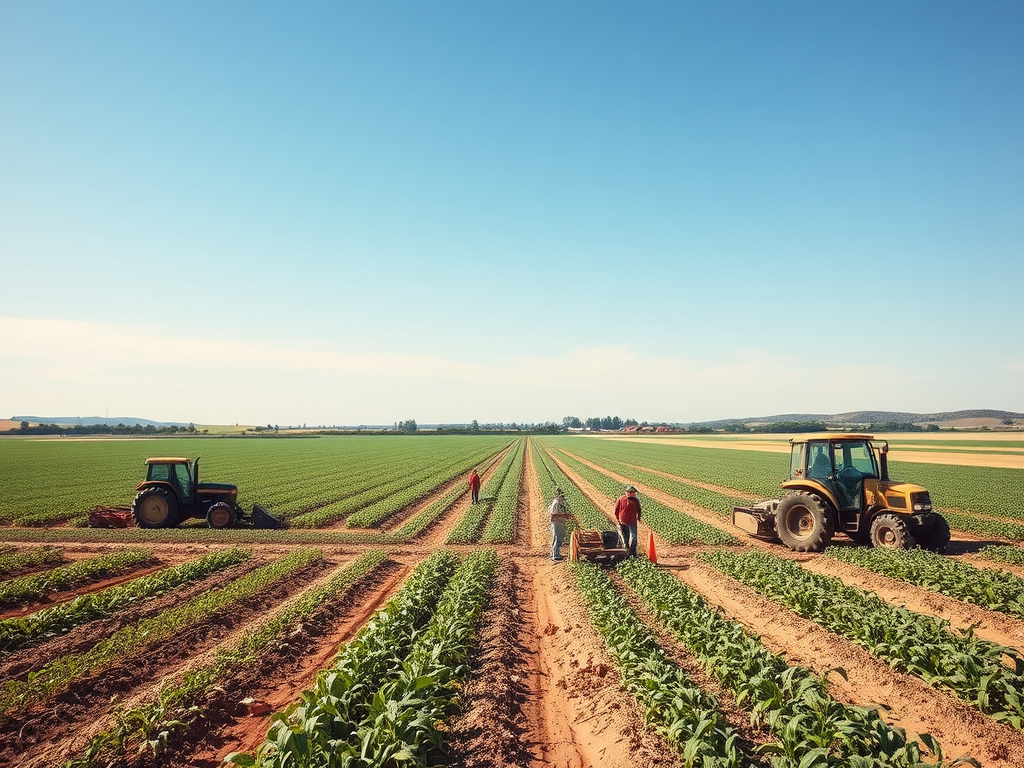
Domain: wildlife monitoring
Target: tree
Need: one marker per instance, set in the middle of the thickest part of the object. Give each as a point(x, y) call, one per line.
point(24, 426)
point(572, 422)
point(593, 423)
point(475, 426)
point(407, 426)
point(616, 422)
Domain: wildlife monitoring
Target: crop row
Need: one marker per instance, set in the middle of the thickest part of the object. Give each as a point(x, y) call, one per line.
point(498, 503)
point(59, 619)
point(390, 686)
point(179, 700)
point(1003, 554)
point(550, 476)
point(15, 561)
point(60, 673)
point(994, 589)
point(677, 708)
point(812, 729)
point(502, 521)
point(36, 585)
point(677, 527)
point(971, 668)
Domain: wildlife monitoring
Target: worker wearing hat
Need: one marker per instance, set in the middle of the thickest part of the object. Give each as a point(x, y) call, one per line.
point(627, 515)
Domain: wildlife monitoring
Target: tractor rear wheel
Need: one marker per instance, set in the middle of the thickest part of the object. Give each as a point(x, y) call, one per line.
point(891, 531)
point(803, 522)
point(220, 515)
point(936, 538)
point(155, 508)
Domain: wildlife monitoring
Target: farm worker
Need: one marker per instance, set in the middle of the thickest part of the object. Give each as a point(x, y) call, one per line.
point(559, 513)
point(627, 514)
point(474, 486)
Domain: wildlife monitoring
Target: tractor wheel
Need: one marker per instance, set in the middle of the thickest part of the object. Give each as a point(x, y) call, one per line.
point(936, 538)
point(891, 531)
point(155, 508)
point(220, 515)
point(803, 522)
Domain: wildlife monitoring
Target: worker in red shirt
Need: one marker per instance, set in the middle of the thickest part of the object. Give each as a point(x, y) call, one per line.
point(627, 514)
point(474, 486)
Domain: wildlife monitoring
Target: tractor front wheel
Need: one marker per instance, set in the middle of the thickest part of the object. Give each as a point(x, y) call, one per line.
point(220, 515)
point(891, 531)
point(803, 522)
point(155, 508)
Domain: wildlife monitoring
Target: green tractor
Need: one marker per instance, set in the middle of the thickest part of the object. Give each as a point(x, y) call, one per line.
point(172, 493)
point(840, 484)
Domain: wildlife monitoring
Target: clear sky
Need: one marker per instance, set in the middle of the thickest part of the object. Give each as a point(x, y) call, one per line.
point(363, 212)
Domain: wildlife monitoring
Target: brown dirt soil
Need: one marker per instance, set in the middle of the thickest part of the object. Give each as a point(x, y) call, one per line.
point(279, 678)
point(544, 692)
point(908, 702)
point(27, 735)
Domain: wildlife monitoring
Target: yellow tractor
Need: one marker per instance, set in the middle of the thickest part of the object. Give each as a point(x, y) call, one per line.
point(840, 484)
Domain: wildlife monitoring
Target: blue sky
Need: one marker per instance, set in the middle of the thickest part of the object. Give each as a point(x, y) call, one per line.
point(355, 212)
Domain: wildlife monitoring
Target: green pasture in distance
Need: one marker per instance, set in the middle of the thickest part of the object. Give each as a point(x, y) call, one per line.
point(994, 491)
point(50, 480)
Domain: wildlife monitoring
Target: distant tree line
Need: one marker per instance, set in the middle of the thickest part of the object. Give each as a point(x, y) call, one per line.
point(597, 422)
point(101, 429)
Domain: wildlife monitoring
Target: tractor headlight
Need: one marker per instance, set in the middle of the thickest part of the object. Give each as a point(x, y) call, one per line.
point(922, 507)
point(921, 502)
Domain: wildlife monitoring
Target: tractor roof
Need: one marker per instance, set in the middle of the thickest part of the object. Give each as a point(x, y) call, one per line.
point(166, 460)
point(830, 436)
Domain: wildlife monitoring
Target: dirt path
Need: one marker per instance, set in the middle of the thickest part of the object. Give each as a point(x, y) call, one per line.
point(536, 520)
point(908, 701)
point(545, 693)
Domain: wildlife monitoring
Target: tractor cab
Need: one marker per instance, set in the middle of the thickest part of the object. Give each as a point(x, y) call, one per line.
point(840, 465)
point(177, 473)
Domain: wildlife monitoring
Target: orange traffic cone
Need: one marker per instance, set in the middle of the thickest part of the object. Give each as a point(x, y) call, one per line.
point(652, 554)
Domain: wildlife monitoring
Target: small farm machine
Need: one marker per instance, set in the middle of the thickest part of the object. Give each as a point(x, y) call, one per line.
point(840, 484)
point(596, 546)
point(172, 493)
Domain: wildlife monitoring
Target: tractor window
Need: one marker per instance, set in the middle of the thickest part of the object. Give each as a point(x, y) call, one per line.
point(858, 456)
point(820, 465)
point(183, 479)
point(797, 459)
point(159, 472)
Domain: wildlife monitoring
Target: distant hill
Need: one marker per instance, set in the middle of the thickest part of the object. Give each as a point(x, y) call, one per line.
point(74, 421)
point(962, 419)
